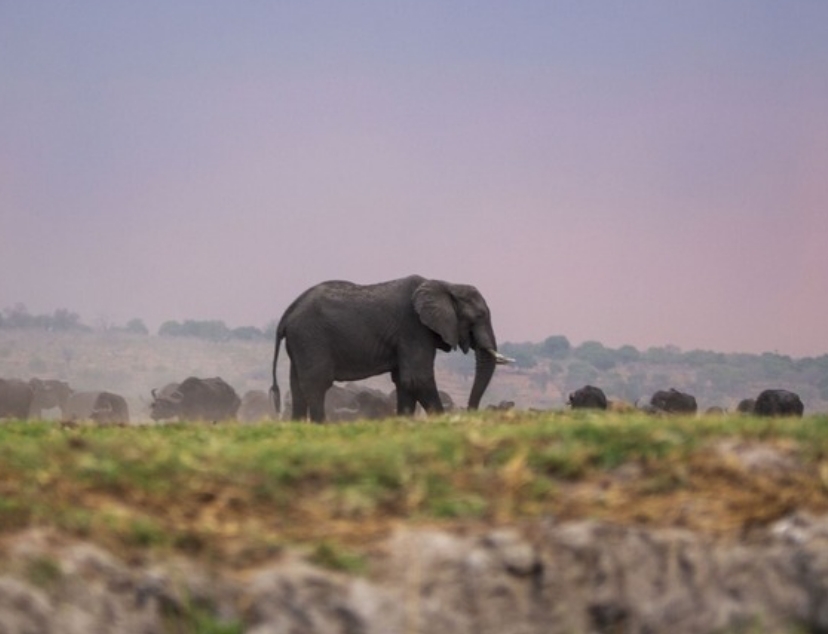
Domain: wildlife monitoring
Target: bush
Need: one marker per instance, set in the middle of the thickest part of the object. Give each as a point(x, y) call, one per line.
point(556, 347)
point(596, 355)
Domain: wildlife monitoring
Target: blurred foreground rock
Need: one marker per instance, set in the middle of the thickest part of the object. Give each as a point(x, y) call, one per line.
point(545, 578)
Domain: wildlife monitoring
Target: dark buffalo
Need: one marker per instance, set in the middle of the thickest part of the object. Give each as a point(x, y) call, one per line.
point(746, 406)
point(502, 406)
point(15, 398)
point(588, 397)
point(105, 408)
point(48, 394)
point(778, 403)
point(196, 399)
point(353, 401)
point(674, 402)
point(256, 405)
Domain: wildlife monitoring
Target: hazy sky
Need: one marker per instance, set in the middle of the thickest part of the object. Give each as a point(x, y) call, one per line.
point(643, 173)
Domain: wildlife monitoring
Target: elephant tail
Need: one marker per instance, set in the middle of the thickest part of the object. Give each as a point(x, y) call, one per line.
point(275, 395)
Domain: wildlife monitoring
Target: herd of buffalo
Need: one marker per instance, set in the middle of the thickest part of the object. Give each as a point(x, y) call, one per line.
point(213, 399)
point(774, 402)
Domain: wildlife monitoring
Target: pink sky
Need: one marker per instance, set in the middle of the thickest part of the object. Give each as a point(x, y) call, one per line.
point(650, 175)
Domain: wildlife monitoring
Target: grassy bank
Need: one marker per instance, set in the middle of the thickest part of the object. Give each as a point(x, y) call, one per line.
point(240, 493)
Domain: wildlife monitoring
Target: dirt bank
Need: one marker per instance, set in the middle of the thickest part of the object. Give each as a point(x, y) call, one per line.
point(544, 577)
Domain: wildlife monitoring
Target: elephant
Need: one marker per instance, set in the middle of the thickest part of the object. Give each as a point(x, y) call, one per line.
point(342, 331)
point(445, 398)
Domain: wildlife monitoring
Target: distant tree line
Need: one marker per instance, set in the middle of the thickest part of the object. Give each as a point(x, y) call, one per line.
point(18, 317)
point(214, 330)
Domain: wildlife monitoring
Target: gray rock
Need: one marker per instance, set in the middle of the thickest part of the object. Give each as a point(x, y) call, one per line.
point(545, 578)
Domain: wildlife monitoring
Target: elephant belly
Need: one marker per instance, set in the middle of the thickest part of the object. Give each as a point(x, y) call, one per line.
point(357, 373)
point(353, 362)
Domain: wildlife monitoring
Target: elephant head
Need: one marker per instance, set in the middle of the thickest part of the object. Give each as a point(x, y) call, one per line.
point(458, 314)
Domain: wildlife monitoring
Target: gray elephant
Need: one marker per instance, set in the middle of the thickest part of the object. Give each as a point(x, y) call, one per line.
point(341, 331)
point(445, 399)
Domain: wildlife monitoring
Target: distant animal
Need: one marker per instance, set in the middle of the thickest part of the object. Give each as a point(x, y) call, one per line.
point(256, 406)
point(196, 399)
point(502, 406)
point(588, 397)
point(352, 402)
point(15, 398)
point(778, 403)
point(714, 410)
point(341, 331)
point(673, 401)
point(106, 408)
point(48, 394)
point(165, 391)
point(746, 406)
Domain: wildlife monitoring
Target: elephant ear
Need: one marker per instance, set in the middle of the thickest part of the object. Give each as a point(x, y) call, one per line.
point(435, 307)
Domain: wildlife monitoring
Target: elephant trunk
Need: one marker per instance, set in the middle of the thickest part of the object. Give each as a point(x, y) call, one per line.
point(484, 369)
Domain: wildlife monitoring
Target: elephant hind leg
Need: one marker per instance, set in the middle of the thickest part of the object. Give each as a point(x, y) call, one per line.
point(316, 403)
point(299, 408)
point(313, 389)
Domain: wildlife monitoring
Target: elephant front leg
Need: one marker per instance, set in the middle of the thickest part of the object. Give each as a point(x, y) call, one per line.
point(406, 402)
point(406, 399)
point(429, 397)
point(409, 393)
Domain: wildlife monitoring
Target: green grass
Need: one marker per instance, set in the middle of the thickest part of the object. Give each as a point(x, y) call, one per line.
point(242, 491)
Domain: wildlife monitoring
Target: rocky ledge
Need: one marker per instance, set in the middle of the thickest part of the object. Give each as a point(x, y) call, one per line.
point(544, 578)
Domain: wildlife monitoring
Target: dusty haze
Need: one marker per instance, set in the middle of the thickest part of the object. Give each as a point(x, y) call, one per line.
point(641, 173)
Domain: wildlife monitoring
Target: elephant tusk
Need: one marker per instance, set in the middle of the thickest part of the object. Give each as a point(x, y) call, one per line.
point(499, 358)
